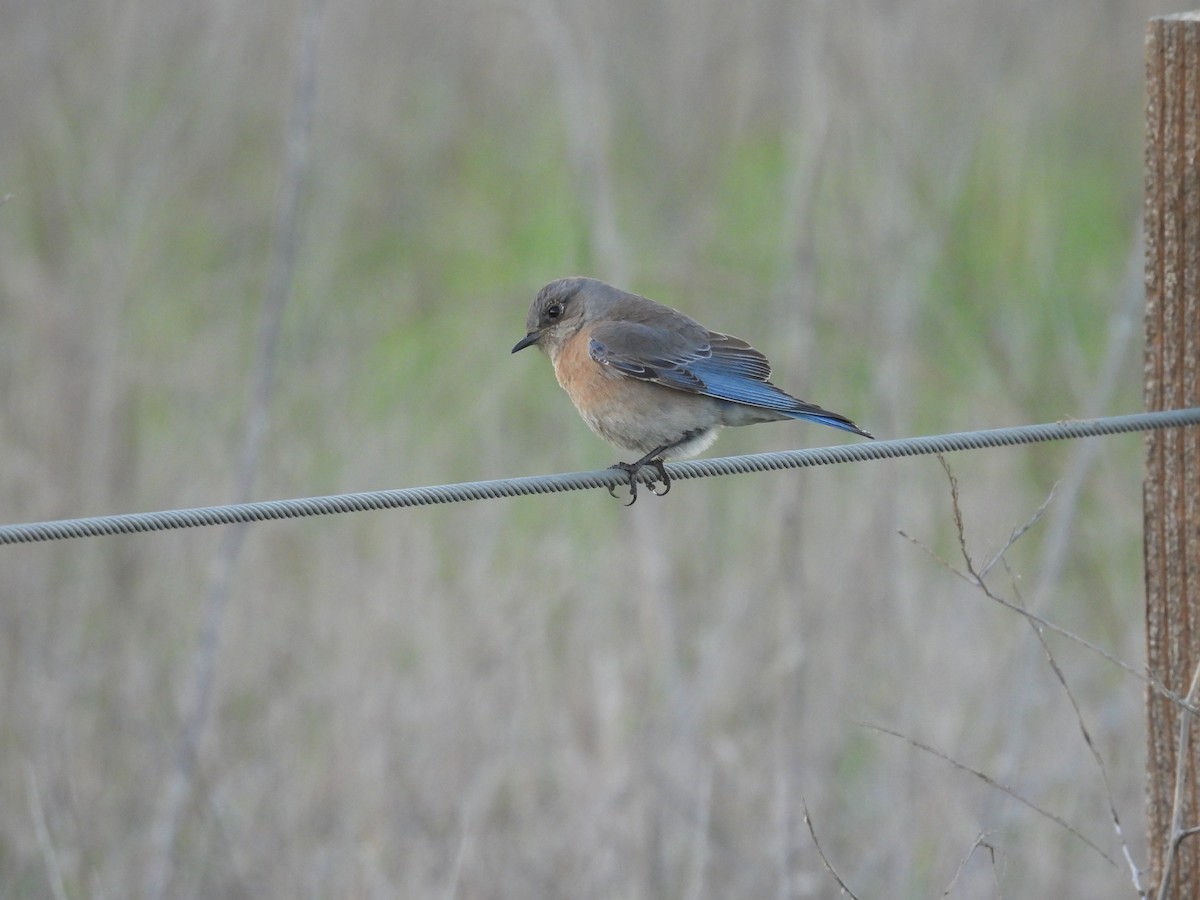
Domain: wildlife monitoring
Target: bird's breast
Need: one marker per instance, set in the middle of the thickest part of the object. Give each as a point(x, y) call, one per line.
point(633, 414)
point(596, 390)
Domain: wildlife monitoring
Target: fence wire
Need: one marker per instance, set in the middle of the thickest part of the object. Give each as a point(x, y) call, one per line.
point(132, 523)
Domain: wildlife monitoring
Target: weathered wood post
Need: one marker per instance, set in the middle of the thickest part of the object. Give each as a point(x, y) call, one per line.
point(1172, 486)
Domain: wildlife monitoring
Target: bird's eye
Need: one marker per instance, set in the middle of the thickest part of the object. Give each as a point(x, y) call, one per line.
point(554, 310)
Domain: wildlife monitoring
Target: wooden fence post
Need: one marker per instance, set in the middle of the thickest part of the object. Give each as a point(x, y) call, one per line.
point(1172, 485)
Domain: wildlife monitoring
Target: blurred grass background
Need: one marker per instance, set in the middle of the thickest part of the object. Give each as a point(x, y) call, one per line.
point(927, 216)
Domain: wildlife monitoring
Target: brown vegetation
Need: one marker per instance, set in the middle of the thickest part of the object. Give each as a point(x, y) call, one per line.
point(924, 213)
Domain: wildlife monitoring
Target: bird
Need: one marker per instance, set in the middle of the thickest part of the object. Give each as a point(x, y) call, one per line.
point(652, 380)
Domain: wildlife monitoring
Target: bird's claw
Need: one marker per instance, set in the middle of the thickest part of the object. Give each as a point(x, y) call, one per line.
point(661, 471)
point(632, 469)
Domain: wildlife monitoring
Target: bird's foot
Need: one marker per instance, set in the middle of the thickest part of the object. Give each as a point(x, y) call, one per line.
point(632, 469)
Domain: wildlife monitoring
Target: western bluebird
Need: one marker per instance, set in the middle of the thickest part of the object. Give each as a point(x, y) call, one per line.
point(649, 379)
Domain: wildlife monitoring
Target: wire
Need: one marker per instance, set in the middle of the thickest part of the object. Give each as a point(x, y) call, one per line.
point(132, 523)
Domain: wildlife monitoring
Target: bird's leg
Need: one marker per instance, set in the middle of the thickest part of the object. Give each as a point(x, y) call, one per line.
point(653, 459)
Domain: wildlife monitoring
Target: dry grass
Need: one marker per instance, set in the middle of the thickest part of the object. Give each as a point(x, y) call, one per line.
point(922, 214)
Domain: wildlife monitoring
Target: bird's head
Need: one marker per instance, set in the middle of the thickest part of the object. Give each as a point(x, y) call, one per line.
point(560, 309)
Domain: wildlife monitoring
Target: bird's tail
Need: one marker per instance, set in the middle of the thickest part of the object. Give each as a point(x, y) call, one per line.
point(832, 419)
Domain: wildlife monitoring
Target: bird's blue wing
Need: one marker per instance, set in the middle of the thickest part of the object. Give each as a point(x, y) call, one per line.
point(701, 362)
point(726, 380)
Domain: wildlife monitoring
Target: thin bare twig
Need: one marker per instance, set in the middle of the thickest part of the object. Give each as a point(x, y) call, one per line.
point(972, 578)
point(828, 865)
point(1016, 535)
point(1178, 832)
point(1134, 870)
point(991, 782)
point(980, 841)
point(1144, 677)
point(1038, 632)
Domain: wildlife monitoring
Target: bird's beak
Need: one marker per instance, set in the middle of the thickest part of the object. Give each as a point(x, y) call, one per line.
point(528, 341)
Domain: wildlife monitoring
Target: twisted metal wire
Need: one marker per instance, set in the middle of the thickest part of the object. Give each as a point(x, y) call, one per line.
point(132, 523)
